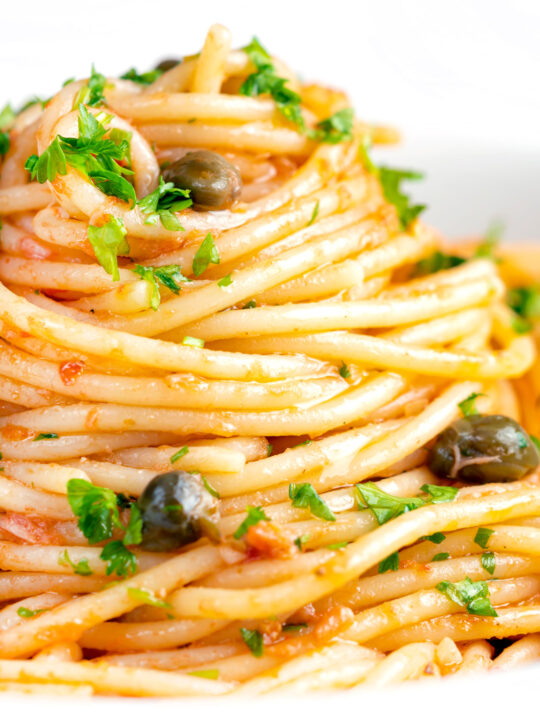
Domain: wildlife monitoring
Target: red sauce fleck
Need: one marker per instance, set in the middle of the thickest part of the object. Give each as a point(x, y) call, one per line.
point(333, 622)
point(269, 540)
point(70, 371)
point(16, 433)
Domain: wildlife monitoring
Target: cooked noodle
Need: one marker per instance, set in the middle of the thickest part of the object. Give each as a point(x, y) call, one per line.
point(308, 349)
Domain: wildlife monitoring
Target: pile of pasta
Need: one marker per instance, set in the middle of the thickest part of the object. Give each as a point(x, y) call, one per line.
point(305, 350)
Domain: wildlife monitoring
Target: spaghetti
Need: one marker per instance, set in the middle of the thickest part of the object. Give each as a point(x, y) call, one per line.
point(231, 362)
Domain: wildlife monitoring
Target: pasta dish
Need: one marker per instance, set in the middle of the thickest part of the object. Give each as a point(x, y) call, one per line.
point(261, 428)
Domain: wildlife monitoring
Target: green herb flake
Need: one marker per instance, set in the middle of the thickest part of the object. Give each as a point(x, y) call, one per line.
point(389, 563)
point(314, 214)
point(46, 436)
point(437, 262)
point(193, 341)
point(482, 536)
point(304, 495)
point(337, 545)
point(302, 540)
point(384, 506)
point(490, 241)
point(209, 488)
point(179, 454)
point(80, 568)
point(334, 129)
point(440, 556)
point(254, 641)
point(535, 441)
point(254, 516)
point(92, 93)
point(206, 254)
point(210, 674)
point(225, 281)
point(95, 507)
point(249, 305)
point(147, 597)
point(344, 371)
point(290, 628)
point(146, 78)
point(472, 595)
point(119, 559)
point(109, 241)
point(167, 275)
point(488, 562)
point(26, 613)
point(436, 538)
point(440, 493)
point(163, 203)
point(468, 406)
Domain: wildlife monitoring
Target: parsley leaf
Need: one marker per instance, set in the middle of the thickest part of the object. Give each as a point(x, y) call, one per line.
point(304, 495)
point(337, 545)
point(389, 563)
point(49, 164)
point(491, 239)
point(472, 595)
point(206, 254)
point(4, 143)
point(92, 93)
point(80, 568)
point(210, 674)
point(385, 507)
point(209, 488)
point(344, 371)
point(391, 180)
point(146, 78)
point(525, 302)
point(46, 436)
point(225, 281)
point(133, 535)
point(179, 454)
point(147, 597)
point(7, 117)
point(314, 214)
point(290, 627)
point(488, 562)
point(167, 275)
point(440, 556)
point(440, 493)
point(437, 262)
point(334, 129)
point(162, 203)
point(482, 536)
point(109, 241)
point(119, 559)
point(468, 406)
point(254, 641)
point(192, 341)
point(265, 80)
point(25, 612)
point(95, 507)
point(254, 516)
point(301, 541)
point(436, 538)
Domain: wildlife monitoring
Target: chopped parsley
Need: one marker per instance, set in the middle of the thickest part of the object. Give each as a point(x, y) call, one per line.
point(482, 537)
point(193, 341)
point(525, 302)
point(96, 509)
point(179, 454)
point(391, 179)
point(440, 493)
point(162, 203)
point(206, 254)
point(302, 540)
point(147, 597)
point(290, 627)
point(91, 94)
point(254, 641)
point(468, 406)
point(167, 275)
point(436, 538)
point(491, 239)
point(254, 516)
point(225, 281)
point(437, 262)
point(487, 561)
point(337, 545)
point(440, 556)
point(209, 488)
point(103, 160)
point(7, 117)
point(389, 563)
point(344, 371)
point(25, 612)
point(266, 81)
point(384, 506)
point(535, 442)
point(336, 128)
point(210, 674)
point(472, 595)
point(46, 436)
point(249, 305)
point(119, 559)
point(314, 214)
point(146, 78)
point(304, 495)
point(109, 241)
point(80, 568)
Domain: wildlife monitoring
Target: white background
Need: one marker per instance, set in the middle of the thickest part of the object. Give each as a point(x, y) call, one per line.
point(459, 78)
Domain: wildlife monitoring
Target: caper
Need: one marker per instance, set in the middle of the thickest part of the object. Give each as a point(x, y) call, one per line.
point(168, 64)
point(214, 182)
point(483, 449)
point(176, 509)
